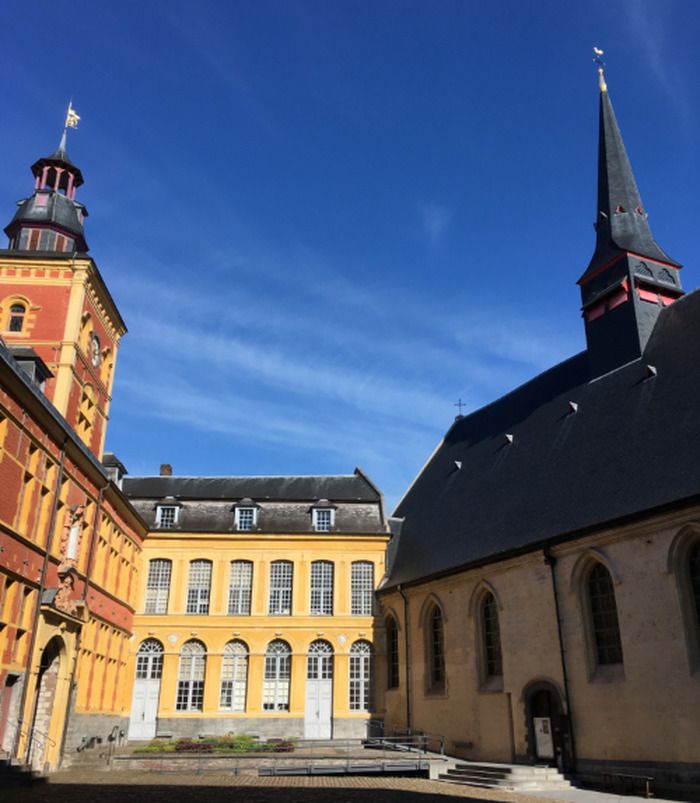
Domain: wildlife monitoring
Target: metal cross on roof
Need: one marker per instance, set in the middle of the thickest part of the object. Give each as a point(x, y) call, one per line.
point(459, 404)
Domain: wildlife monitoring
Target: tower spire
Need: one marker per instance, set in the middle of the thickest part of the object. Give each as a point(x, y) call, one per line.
point(630, 278)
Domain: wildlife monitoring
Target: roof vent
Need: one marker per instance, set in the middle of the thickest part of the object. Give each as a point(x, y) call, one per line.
point(650, 371)
point(510, 438)
point(458, 465)
point(573, 407)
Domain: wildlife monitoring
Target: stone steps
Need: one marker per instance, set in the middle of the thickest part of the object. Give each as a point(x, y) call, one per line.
point(14, 773)
point(505, 776)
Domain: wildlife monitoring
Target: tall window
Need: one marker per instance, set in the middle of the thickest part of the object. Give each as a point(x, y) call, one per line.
point(360, 674)
point(281, 573)
point(361, 588)
point(166, 516)
point(319, 661)
point(605, 626)
point(436, 652)
point(278, 667)
point(190, 678)
point(149, 660)
point(240, 588)
point(392, 653)
point(16, 320)
point(322, 588)
point(158, 586)
point(493, 661)
point(234, 676)
point(199, 586)
point(694, 572)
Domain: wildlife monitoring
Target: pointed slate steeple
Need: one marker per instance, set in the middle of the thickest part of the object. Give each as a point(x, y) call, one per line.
point(630, 278)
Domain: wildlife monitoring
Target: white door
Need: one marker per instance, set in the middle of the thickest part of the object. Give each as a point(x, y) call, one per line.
point(544, 745)
point(319, 691)
point(144, 703)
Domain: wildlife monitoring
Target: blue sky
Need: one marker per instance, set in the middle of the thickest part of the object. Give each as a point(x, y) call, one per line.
point(324, 222)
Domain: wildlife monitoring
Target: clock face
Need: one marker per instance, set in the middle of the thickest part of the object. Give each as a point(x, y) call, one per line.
point(95, 356)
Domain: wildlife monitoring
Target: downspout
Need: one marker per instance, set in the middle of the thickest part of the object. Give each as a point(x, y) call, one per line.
point(551, 561)
point(37, 607)
point(407, 642)
point(79, 637)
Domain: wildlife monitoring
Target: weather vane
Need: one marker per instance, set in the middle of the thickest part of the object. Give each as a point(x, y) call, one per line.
point(598, 58)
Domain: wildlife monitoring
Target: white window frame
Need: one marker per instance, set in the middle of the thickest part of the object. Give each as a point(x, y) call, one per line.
point(360, 676)
point(191, 674)
point(234, 677)
point(362, 588)
point(318, 519)
point(158, 585)
point(321, 588)
point(159, 516)
point(277, 676)
point(240, 589)
point(199, 591)
point(281, 588)
point(247, 509)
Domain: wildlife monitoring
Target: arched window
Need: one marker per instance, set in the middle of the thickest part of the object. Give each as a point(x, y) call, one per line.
point(281, 576)
point(322, 588)
point(392, 653)
point(190, 678)
point(240, 588)
point(491, 634)
point(199, 587)
point(16, 320)
point(158, 586)
point(694, 575)
point(360, 674)
point(361, 588)
point(234, 676)
point(319, 661)
point(605, 628)
point(278, 668)
point(436, 650)
point(149, 660)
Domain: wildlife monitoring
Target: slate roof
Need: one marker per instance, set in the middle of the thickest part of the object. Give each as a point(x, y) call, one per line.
point(59, 211)
point(632, 445)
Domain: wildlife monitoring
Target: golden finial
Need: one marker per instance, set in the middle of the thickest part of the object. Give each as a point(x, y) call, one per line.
point(598, 58)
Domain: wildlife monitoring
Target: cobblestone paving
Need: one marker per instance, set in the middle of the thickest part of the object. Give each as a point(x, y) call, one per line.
point(89, 786)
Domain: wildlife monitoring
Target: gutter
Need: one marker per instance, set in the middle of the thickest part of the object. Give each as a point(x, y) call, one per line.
point(407, 643)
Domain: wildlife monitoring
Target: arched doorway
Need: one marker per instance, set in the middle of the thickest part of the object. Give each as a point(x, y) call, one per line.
point(44, 696)
point(144, 701)
point(319, 691)
point(548, 736)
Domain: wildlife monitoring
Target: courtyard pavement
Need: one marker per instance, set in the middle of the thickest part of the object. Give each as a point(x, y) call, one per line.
point(99, 786)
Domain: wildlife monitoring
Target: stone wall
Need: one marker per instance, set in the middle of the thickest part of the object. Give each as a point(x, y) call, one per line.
point(96, 729)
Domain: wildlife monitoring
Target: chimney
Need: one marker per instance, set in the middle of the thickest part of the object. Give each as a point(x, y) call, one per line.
point(166, 470)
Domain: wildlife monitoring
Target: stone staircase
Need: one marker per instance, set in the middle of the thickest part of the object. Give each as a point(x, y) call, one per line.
point(506, 776)
point(14, 773)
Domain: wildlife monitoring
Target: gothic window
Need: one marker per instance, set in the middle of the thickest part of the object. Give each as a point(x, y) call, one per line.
point(245, 518)
point(190, 678)
point(322, 588)
point(436, 650)
point(16, 320)
point(319, 661)
point(234, 676)
point(240, 588)
point(361, 588)
point(278, 665)
point(149, 660)
point(392, 653)
point(199, 587)
point(281, 574)
point(605, 628)
point(360, 675)
point(491, 633)
point(158, 586)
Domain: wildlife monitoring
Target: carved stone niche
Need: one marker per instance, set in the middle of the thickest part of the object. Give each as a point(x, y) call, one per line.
point(72, 535)
point(64, 600)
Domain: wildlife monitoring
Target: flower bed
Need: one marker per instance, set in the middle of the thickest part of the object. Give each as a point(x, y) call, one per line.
point(212, 744)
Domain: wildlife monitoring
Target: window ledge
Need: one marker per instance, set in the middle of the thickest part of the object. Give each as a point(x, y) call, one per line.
point(492, 685)
point(608, 673)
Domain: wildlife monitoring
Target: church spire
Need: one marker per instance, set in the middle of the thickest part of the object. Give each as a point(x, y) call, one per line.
point(630, 278)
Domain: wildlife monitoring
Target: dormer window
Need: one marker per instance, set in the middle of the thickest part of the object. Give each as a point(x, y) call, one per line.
point(246, 518)
point(167, 516)
point(323, 519)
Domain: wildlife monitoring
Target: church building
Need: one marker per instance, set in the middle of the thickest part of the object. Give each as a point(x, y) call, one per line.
point(543, 604)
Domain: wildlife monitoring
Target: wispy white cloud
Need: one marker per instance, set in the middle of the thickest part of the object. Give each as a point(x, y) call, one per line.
point(435, 220)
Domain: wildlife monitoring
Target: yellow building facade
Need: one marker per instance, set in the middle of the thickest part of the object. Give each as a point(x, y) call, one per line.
point(256, 610)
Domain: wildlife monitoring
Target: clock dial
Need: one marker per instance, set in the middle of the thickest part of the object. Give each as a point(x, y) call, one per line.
point(95, 355)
